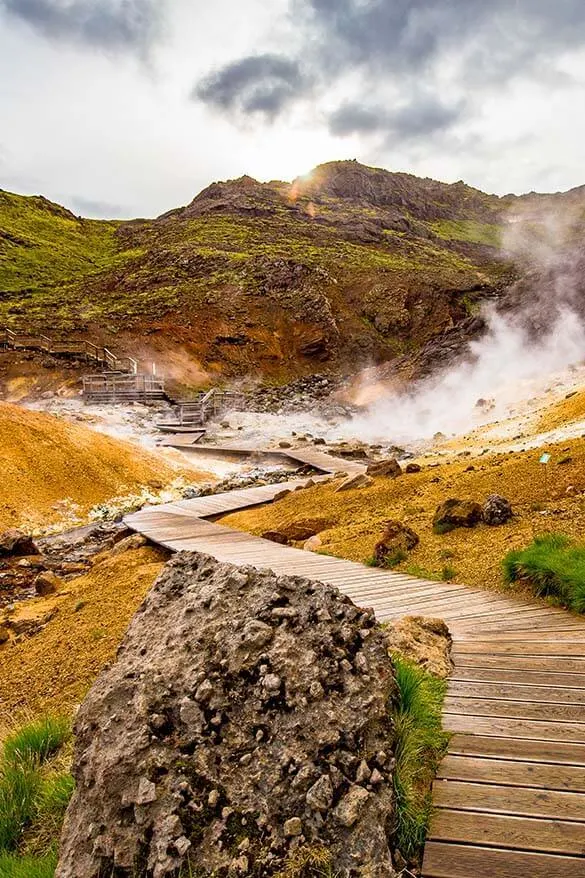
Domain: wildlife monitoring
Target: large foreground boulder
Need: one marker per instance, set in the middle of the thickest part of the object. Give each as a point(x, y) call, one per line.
point(244, 726)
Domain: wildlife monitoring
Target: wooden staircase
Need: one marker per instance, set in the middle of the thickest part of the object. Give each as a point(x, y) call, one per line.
point(81, 350)
point(193, 414)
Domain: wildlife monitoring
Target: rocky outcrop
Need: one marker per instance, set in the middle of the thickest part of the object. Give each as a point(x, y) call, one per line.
point(397, 538)
point(456, 513)
point(245, 722)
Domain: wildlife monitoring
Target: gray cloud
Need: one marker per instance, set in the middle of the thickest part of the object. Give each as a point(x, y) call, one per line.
point(423, 117)
point(104, 24)
point(409, 35)
point(96, 209)
point(259, 84)
point(400, 46)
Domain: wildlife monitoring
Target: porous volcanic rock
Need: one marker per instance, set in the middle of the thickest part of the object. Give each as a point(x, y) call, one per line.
point(456, 513)
point(496, 510)
point(244, 721)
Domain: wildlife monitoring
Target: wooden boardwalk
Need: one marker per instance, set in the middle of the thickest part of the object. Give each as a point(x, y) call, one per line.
point(510, 794)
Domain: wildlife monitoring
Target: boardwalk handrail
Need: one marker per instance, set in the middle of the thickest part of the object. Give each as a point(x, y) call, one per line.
point(89, 350)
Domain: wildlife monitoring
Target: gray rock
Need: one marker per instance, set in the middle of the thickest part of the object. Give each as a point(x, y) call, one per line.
point(293, 826)
point(320, 795)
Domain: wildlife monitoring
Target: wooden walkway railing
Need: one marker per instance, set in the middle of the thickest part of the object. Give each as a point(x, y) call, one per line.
point(83, 349)
point(510, 794)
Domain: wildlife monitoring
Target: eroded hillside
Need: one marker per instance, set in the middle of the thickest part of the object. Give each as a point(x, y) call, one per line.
point(351, 264)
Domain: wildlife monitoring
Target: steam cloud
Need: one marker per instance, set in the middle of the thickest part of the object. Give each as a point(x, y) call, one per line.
point(543, 333)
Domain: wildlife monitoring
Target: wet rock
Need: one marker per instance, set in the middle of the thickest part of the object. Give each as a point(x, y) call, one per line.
point(390, 469)
point(397, 538)
point(454, 513)
point(412, 468)
point(16, 542)
point(360, 480)
point(496, 510)
point(219, 740)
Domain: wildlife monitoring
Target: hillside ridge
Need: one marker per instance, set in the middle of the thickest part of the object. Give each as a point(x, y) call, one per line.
point(345, 267)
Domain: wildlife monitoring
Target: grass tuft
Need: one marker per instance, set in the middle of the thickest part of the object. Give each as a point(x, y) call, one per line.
point(34, 793)
point(36, 741)
point(554, 567)
point(420, 745)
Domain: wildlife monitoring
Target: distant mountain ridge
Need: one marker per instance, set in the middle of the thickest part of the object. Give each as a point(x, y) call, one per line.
point(345, 267)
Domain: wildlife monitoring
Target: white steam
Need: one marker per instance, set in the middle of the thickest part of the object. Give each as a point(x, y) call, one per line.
point(505, 363)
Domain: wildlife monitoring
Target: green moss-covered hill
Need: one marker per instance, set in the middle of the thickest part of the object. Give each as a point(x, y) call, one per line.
point(348, 266)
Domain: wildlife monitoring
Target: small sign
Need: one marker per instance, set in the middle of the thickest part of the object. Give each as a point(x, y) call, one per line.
point(545, 458)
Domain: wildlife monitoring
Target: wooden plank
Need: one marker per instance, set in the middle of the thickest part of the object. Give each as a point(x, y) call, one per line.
point(518, 749)
point(565, 713)
point(508, 691)
point(538, 730)
point(462, 861)
point(525, 677)
point(497, 799)
point(521, 833)
point(561, 648)
point(520, 663)
point(506, 772)
point(572, 633)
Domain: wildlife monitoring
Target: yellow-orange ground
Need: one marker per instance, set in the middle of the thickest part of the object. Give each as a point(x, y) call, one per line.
point(46, 462)
point(473, 554)
point(52, 670)
point(563, 412)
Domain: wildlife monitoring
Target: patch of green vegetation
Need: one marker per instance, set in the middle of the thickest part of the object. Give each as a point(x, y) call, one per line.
point(554, 567)
point(34, 792)
point(41, 243)
point(420, 744)
point(469, 231)
point(392, 559)
point(448, 573)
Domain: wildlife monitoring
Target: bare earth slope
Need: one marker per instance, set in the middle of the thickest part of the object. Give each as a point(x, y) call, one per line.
point(46, 461)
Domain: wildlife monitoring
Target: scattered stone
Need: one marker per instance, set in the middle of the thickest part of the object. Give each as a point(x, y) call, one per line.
point(320, 795)
point(496, 510)
point(280, 495)
point(47, 583)
point(313, 544)
point(350, 807)
point(397, 537)
point(284, 444)
point(293, 827)
point(136, 541)
point(16, 542)
point(304, 528)
point(391, 469)
point(413, 468)
point(360, 480)
point(454, 513)
point(194, 639)
point(425, 641)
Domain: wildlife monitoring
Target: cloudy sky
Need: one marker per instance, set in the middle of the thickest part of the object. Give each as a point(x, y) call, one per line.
point(130, 107)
